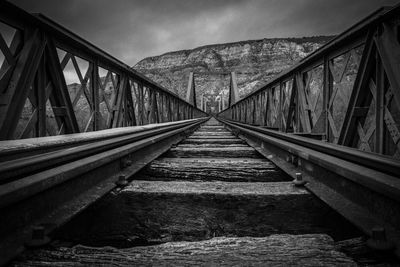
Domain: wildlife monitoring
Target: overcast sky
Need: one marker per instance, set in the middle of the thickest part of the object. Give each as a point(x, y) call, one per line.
point(131, 30)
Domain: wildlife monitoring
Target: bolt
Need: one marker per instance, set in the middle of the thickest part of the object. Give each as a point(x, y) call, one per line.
point(122, 181)
point(299, 180)
point(125, 163)
point(38, 238)
point(378, 240)
point(288, 158)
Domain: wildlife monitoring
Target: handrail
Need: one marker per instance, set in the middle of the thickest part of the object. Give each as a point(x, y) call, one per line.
point(134, 99)
point(357, 30)
point(347, 91)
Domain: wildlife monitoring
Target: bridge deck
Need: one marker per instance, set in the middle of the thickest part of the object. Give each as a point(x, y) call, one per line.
point(221, 191)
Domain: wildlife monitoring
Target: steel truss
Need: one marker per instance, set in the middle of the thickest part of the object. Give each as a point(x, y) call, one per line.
point(346, 93)
point(36, 101)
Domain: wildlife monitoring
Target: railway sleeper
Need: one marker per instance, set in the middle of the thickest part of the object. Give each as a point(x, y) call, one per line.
point(211, 199)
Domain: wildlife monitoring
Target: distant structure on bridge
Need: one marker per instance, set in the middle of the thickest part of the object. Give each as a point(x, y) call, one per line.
point(213, 103)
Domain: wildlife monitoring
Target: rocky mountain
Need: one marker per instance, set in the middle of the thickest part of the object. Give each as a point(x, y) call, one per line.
point(255, 62)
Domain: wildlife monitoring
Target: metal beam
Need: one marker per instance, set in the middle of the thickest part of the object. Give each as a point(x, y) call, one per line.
point(38, 45)
point(64, 182)
point(191, 90)
point(355, 187)
point(233, 90)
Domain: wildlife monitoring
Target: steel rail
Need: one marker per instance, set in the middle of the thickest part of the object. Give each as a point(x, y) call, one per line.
point(12, 149)
point(13, 169)
point(96, 157)
point(53, 195)
point(379, 162)
point(365, 196)
point(367, 175)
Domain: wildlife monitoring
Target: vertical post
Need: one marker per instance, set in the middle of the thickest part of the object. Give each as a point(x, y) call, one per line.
point(40, 88)
point(191, 91)
point(233, 90)
point(153, 107)
point(174, 109)
point(169, 113)
point(162, 108)
point(202, 102)
point(263, 107)
point(280, 113)
point(119, 109)
point(379, 106)
point(327, 91)
point(179, 110)
point(95, 96)
point(141, 103)
point(222, 100)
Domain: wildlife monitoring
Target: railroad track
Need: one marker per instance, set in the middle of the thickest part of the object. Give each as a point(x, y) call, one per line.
point(47, 181)
point(228, 198)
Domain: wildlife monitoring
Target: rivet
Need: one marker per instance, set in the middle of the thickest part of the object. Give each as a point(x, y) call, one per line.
point(128, 162)
point(125, 162)
point(298, 181)
point(122, 181)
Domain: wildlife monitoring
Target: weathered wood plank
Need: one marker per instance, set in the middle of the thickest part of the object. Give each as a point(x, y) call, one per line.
point(276, 250)
point(213, 141)
point(232, 152)
point(189, 145)
point(148, 211)
point(212, 127)
point(211, 137)
point(213, 169)
point(357, 249)
point(208, 129)
point(213, 133)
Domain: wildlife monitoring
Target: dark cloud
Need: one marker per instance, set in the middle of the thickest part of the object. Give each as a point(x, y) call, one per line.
point(134, 29)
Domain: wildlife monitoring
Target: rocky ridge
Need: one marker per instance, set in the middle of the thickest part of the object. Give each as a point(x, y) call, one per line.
point(254, 61)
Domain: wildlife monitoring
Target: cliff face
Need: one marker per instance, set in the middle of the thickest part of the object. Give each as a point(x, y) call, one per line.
point(255, 62)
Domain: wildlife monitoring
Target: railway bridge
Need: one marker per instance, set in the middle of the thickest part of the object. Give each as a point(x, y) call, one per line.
point(117, 170)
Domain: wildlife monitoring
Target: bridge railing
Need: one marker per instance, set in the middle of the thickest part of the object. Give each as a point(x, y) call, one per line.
point(346, 93)
point(54, 82)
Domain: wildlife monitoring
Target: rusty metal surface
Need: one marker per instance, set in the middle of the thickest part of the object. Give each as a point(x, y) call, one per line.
point(367, 197)
point(346, 93)
point(37, 99)
point(334, 118)
point(57, 186)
